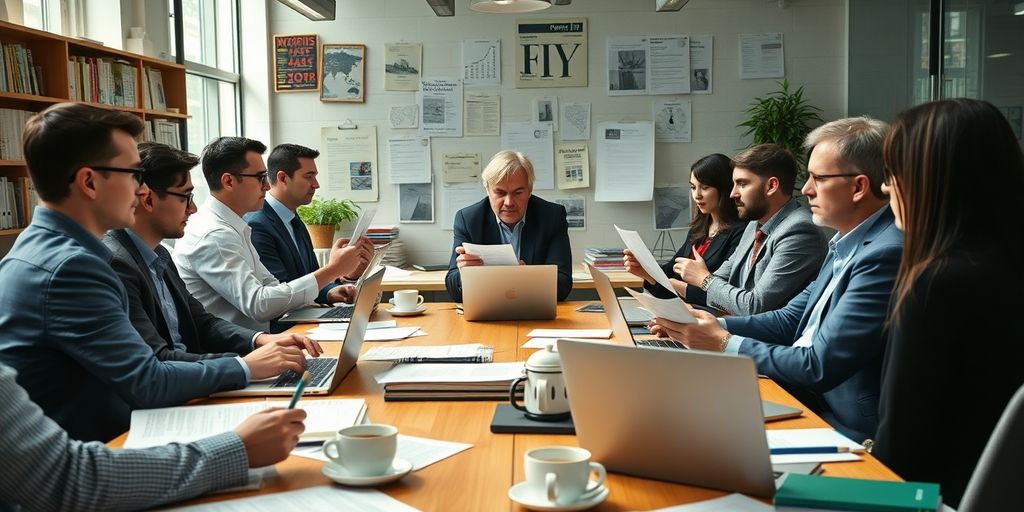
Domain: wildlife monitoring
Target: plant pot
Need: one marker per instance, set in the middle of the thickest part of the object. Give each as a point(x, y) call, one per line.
point(321, 234)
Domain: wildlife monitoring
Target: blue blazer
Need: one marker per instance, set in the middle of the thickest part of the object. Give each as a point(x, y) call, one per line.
point(545, 240)
point(278, 253)
point(843, 365)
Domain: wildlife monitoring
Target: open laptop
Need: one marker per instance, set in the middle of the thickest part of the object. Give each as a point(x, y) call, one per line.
point(325, 372)
point(515, 292)
point(341, 312)
point(681, 416)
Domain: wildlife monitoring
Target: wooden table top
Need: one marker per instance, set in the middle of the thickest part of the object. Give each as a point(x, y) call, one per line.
point(479, 478)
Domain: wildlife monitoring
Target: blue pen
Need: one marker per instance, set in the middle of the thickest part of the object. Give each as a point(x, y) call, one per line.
point(793, 450)
point(298, 390)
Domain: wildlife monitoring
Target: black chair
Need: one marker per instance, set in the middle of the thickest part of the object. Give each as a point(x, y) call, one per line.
point(996, 480)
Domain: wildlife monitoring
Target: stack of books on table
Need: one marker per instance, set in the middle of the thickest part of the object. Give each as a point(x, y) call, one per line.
point(381, 235)
point(449, 381)
point(605, 258)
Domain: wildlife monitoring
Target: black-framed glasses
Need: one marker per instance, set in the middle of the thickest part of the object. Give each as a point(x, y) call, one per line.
point(189, 198)
point(818, 178)
point(136, 172)
point(264, 176)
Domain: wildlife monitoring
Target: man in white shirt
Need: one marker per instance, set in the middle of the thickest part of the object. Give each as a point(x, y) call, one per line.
point(216, 258)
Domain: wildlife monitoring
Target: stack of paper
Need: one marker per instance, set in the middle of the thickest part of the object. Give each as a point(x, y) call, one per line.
point(157, 427)
point(487, 381)
point(325, 333)
point(811, 445)
point(464, 353)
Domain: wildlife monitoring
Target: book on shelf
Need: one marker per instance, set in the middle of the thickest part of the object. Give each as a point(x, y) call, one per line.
point(102, 80)
point(15, 202)
point(449, 381)
point(18, 72)
point(834, 493)
point(155, 89)
point(163, 131)
point(430, 267)
point(12, 123)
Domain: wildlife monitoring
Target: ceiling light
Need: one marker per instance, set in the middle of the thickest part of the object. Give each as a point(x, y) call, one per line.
point(509, 6)
point(316, 10)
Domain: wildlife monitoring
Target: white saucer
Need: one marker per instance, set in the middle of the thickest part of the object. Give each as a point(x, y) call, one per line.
point(340, 474)
point(522, 494)
point(414, 312)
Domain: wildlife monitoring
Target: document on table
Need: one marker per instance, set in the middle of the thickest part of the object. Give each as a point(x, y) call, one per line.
point(570, 333)
point(409, 159)
point(498, 254)
point(733, 502)
point(812, 437)
point(673, 309)
point(363, 223)
point(469, 352)
point(380, 324)
point(420, 451)
point(544, 342)
point(327, 497)
point(444, 372)
point(625, 161)
point(388, 334)
point(643, 255)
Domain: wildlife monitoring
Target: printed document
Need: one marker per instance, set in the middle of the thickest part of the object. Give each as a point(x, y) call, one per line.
point(326, 497)
point(643, 255)
point(625, 161)
point(409, 159)
point(536, 142)
point(500, 254)
point(673, 309)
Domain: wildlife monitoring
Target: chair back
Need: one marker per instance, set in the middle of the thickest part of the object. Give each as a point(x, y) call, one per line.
point(996, 480)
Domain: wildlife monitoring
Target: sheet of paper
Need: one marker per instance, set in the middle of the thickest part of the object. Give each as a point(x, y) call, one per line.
point(365, 218)
point(701, 63)
point(387, 334)
point(625, 161)
point(574, 121)
point(392, 271)
point(536, 142)
point(814, 457)
point(570, 333)
point(458, 196)
point(481, 62)
point(797, 437)
point(416, 202)
point(440, 101)
point(392, 353)
point(627, 65)
point(409, 159)
point(380, 324)
point(733, 503)
point(498, 254)
point(446, 372)
point(669, 65)
point(403, 116)
point(673, 309)
point(672, 120)
point(328, 497)
point(572, 165)
point(575, 211)
point(420, 451)
point(351, 155)
point(256, 478)
point(762, 56)
point(545, 112)
point(402, 66)
point(482, 113)
point(460, 167)
point(643, 255)
point(544, 342)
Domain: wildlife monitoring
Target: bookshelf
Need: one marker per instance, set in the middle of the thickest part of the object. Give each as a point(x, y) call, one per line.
point(62, 65)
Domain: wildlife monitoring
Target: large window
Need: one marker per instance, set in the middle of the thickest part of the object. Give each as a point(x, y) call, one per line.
point(210, 36)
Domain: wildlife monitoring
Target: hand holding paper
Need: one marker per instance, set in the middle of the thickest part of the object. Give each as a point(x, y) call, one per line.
point(363, 224)
point(643, 255)
point(673, 309)
point(501, 254)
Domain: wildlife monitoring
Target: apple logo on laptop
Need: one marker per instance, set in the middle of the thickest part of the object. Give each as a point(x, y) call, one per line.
point(510, 294)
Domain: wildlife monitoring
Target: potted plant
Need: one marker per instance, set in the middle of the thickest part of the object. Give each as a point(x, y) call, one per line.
point(785, 118)
point(323, 217)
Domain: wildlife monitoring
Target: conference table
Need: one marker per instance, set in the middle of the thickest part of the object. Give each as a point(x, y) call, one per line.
point(479, 478)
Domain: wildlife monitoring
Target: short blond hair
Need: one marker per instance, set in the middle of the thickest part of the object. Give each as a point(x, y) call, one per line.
point(503, 165)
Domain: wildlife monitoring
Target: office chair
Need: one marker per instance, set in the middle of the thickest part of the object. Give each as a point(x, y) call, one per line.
point(996, 479)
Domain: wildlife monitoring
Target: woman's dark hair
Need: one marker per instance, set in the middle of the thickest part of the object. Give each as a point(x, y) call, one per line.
point(714, 170)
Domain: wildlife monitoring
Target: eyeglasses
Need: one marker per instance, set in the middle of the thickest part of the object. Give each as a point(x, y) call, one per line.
point(189, 198)
point(264, 176)
point(135, 171)
point(818, 178)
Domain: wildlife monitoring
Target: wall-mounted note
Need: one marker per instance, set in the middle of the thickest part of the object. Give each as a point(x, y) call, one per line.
point(295, 63)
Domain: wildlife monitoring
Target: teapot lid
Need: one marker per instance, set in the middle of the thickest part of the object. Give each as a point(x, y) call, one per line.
point(545, 360)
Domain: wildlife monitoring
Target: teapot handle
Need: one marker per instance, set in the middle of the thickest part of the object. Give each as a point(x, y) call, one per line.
point(512, 393)
point(544, 399)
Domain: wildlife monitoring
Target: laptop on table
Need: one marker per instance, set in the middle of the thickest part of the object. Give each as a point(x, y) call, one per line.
point(341, 312)
point(513, 292)
point(326, 372)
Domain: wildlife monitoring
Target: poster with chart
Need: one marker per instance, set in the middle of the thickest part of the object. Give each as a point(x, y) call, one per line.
point(351, 155)
point(701, 64)
point(402, 65)
point(625, 161)
point(440, 102)
point(672, 122)
point(481, 62)
point(762, 56)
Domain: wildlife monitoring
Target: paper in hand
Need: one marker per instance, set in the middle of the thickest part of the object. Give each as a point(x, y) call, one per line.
point(643, 255)
point(500, 254)
point(363, 224)
point(673, 309)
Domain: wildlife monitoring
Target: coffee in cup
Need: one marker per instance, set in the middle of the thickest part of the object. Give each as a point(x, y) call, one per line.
point(364, 450)
point(406, 300)
point(562, 474)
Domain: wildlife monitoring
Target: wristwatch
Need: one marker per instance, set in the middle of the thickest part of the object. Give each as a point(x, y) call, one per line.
point(707, 282)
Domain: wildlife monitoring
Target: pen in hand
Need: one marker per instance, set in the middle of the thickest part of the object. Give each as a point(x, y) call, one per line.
point(298, 390)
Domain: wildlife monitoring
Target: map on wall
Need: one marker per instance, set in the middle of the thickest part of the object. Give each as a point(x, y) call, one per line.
point(344, 72)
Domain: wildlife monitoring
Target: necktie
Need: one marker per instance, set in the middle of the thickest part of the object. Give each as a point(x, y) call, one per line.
point(758, 238)
point(299, 229)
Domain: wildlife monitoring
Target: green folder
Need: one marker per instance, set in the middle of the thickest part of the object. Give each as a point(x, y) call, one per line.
point(857, 494)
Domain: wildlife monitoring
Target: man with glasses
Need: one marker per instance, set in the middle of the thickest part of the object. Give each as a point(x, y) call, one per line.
point(168, 318)
point(64, 324)
point(826, 345)
point(216, 257)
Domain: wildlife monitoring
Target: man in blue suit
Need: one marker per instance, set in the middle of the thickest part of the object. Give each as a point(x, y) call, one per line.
point(510, 214)
point(827, 345)
point(279, 236)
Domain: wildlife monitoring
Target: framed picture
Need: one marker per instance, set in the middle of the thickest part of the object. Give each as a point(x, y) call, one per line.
point(416, 202)
point(343, 72)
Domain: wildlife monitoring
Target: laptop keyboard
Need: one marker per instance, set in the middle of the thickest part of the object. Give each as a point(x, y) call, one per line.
point(338, 312)
point(319, 369)
point(661, 343)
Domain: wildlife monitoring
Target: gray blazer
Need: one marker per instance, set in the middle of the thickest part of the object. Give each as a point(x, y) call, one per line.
point(789, 259)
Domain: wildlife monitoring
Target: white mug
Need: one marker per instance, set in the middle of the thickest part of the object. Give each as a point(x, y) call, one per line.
point(365, 450)
point(562, 474)
point(407, 300)
point(545, 394)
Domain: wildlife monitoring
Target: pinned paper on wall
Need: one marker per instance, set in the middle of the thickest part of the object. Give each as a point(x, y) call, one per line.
point(351, 155)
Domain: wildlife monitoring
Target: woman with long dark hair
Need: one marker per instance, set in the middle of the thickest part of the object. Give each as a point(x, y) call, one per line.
point(954, 170)
point(715, 228)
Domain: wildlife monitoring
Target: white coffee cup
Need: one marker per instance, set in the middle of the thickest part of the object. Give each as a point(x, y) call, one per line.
point(562, 474)
point(407, 300)
point(364, 450)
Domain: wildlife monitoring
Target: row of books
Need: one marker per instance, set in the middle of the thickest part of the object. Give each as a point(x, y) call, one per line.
point(102, 80)
point(381, 235)
point(163, 131)
point(18, 73)
point(604, 258)
point(17, 200)
point(12, 124)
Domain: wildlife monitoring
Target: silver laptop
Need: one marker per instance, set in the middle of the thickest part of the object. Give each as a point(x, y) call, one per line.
point(341, 312)
point(636, 316)
point(326, 373)
point(515, 292)
point(682, 416)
